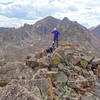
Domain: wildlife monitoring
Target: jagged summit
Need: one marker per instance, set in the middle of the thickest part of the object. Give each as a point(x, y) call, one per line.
point(47, 19)
point(66, 19)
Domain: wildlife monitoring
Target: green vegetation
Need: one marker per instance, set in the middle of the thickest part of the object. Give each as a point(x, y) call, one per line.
point(2, 63)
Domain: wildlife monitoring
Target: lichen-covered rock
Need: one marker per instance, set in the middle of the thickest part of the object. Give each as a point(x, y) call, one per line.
point(83, 63)
point(52, 75)
point(56, 60)
point(65, 44)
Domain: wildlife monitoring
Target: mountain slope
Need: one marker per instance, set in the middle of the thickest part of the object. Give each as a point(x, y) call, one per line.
point(95, 35)
point(70, 31)
point(15, 36)
point(37, 36)
point(96, 30)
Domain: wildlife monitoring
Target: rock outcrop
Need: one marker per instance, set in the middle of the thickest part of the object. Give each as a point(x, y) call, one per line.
point(74, 71)
point(69, 73)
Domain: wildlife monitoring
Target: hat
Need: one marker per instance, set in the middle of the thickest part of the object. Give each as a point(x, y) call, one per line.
point(55, 28)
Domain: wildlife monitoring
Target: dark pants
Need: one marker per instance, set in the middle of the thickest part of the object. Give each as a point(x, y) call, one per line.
point(56, 42)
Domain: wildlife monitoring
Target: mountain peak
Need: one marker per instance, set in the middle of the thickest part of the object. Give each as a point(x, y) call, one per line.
point(66, 19)
point(49, 17)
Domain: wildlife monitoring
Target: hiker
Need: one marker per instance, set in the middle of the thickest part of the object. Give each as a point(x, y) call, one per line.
point(56, 35)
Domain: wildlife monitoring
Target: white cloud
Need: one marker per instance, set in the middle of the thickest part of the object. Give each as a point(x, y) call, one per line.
point(5, 1)
point(86, 12)
point(14, 22)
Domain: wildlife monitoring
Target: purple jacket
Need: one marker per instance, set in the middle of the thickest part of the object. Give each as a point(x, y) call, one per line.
point(56, 33)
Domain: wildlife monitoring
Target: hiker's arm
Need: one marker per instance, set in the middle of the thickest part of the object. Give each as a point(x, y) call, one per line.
point(58, 33)
point(52, 32)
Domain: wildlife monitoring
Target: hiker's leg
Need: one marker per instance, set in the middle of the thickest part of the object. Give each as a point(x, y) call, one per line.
point(49, 68)
point(54, 41)
point(57, 42)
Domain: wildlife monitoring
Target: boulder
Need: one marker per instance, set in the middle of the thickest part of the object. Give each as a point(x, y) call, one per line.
point(88, 58)
point(81, 82)
point(32, 62)
point(96, 61)
point(61, 66)
point(42, 88)
point(14, 71)
point(89, 96)
point(76, 61)
point(61, 78)
point(98, 74)
point(41, 73)
point(17, 92)
point(37, 89)
point(44, 62)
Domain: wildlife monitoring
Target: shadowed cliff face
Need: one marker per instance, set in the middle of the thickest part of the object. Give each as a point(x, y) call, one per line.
point(95, 36)
point(96, 30)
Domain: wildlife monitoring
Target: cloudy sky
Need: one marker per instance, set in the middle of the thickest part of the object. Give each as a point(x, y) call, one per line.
point(14, 13)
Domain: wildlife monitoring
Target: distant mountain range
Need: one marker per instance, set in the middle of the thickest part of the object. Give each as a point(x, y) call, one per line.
point(38, 34)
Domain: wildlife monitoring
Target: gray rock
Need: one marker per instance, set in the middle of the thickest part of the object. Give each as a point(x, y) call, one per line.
point(96, 61)
point(14, 71)
point(89, 96)
point(61, 77)
point(17, 92)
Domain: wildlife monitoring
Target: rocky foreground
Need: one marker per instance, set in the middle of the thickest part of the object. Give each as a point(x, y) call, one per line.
point(69, 73)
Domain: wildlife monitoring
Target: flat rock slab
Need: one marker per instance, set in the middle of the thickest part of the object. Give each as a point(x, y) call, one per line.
point(96, 61)
point(97, 89)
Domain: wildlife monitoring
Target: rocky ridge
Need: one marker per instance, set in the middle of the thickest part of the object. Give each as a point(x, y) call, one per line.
point(69, 73)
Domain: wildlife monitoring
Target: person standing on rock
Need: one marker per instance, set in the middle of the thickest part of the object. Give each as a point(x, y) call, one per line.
point(56, 34)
